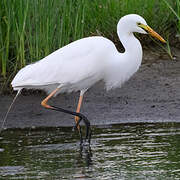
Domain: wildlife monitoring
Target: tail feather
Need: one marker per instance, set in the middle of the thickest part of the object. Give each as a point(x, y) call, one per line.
point(4, 120)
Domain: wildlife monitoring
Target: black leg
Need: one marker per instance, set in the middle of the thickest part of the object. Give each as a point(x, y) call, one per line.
point(88, 128)
point(77, 114)
point(81, 117)
point(80, 135)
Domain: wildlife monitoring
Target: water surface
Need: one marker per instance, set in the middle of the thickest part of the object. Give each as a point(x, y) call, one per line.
point(126, 151)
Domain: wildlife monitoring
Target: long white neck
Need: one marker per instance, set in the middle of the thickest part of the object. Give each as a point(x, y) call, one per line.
point(124, 65)
point(132, 46)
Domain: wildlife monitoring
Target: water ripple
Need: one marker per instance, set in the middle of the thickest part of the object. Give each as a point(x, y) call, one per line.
point(131, 151)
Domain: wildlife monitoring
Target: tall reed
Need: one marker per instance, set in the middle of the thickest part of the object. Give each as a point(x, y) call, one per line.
point(175, 9)
point(32, 29)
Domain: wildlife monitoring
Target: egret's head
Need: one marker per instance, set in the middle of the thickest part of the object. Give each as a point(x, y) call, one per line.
point(135, 23)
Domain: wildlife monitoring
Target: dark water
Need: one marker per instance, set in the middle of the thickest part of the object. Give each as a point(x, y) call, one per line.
point(130, 151)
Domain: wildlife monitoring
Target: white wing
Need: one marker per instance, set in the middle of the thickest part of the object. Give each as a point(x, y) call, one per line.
point(71, 64)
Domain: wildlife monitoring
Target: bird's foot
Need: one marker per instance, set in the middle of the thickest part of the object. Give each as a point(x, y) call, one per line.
point(88, 130)
point(81, 117)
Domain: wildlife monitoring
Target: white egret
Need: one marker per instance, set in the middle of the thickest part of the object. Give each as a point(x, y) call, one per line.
point(80, 64)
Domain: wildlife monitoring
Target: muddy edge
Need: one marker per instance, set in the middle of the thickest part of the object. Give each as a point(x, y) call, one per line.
point(151, 95)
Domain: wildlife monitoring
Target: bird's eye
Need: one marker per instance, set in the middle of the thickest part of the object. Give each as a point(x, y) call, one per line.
point(138, 23)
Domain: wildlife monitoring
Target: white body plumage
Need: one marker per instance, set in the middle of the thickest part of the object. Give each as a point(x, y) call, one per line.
point(80, 64)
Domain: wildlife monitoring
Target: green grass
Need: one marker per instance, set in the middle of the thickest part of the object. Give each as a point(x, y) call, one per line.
point(175, 9)
point(32, 29)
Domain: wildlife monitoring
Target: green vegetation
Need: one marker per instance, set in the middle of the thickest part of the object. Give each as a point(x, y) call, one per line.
point(32, 29)
point(175, 11)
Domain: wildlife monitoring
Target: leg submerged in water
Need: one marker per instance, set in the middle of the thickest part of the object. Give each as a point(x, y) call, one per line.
point(79, 115)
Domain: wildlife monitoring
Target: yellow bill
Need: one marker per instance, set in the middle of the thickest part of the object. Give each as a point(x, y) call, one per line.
point(152, 32)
